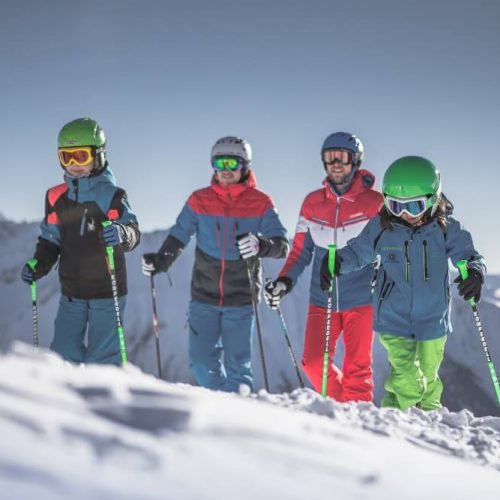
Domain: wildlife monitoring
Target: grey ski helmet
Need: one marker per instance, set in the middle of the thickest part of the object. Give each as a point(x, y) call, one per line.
point(233, 146)
point(344, 140)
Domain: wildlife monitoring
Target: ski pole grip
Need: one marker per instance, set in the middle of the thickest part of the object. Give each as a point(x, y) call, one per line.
point(332, 250)
point(109, 248)
point(32, 264)
point(462, 268)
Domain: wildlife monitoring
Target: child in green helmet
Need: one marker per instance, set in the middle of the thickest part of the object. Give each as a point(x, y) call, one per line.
point(73, 235)
point(413, 239)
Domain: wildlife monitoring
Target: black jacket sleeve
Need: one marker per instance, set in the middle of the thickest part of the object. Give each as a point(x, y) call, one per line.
point(170, 249)
point(276, 248)
point(46, 254)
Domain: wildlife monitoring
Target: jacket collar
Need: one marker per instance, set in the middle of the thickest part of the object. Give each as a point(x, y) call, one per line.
point(86, 184)
point(363, 180)
point(233, 191)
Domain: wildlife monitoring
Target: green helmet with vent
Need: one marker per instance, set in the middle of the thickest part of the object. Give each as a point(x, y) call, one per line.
point(85, 132)
point(413, 177)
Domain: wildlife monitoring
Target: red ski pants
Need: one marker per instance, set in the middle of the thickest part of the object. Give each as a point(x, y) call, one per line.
point(355, 381)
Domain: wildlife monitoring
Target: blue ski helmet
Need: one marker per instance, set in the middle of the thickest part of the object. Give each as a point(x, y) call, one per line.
point(344, 140)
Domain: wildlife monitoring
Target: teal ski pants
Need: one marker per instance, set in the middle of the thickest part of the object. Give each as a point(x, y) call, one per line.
point(92, 320)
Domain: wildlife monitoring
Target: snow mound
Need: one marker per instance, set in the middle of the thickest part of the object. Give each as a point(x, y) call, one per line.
point(110, 433)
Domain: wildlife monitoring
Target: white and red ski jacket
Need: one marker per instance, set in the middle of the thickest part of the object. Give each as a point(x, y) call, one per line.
point(328, 218)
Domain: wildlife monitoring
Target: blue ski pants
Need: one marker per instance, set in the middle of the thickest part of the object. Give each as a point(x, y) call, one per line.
point(97, 318)
point(217, 333)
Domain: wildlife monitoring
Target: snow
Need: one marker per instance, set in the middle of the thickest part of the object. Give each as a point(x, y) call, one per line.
point(101, 432)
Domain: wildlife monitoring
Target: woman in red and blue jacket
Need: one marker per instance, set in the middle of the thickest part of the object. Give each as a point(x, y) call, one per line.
point(334, 214)
point(233, 221)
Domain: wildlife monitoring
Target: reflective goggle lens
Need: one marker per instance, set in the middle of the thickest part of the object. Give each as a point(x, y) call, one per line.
point(414, 207)
point(331, 156)
point(78, 156)
point(231, 163)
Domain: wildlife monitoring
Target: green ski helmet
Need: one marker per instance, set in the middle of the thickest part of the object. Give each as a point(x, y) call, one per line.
point(412, 177)
point(85, 132)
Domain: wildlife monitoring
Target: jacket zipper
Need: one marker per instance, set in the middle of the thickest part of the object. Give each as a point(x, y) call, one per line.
point(337, 211)
point(75, 184)
point(225, 235)
point(82, 223)
point(426, 269)
point(407, 261)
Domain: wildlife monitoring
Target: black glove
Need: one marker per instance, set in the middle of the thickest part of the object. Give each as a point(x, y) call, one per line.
point(153, 263)
point(274, 291)
point(471, 286)
point(325, 279)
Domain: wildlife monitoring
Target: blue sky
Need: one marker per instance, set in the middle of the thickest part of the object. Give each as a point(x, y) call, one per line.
point(167, 78)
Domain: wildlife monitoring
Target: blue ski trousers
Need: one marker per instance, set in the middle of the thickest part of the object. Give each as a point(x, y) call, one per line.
point(217, 333)
point(97, 318)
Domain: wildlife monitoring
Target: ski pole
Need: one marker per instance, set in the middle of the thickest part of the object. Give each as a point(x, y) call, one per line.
point(290, 348)
point(155, 325)
point(114, 287)
point(32, 265)
point(464, 273)
point(326, 355)
point(259, 332)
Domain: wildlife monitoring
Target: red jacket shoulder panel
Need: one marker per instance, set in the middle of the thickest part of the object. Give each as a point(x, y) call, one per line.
point(54, 193)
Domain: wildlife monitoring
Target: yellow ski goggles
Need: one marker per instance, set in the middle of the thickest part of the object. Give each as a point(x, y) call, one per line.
point(81, 156)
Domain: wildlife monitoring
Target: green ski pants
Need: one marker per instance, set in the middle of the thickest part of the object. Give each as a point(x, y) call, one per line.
point(413, 379)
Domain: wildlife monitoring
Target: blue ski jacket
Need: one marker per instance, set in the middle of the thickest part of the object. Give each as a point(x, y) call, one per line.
point(411, 295)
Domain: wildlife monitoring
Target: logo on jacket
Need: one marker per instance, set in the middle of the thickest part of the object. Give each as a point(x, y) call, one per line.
point(90, 224)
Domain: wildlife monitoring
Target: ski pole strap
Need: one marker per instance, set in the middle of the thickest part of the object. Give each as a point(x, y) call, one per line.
point(332, 250)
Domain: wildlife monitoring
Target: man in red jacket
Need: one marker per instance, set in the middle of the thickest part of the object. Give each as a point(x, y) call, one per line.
point(334, 214)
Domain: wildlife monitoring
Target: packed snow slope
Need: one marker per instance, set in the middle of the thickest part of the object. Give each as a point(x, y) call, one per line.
point(104, 433)
point(464, 371)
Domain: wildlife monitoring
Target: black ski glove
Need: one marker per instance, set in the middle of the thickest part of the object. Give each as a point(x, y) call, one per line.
point(274, 291)
point(471, 286)
point(153, 263)
point(325, 279)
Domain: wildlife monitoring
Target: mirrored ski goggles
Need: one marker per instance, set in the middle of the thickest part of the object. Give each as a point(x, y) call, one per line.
point(412, 206)
point(342, 156)
point(80, 156)
point(231, 163)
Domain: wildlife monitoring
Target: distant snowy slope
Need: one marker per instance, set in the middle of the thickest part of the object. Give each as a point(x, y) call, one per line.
point(467, 380)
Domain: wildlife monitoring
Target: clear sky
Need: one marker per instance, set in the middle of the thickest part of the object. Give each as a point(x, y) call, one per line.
point(167, 78)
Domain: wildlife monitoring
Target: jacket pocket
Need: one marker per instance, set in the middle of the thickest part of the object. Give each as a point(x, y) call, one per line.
point(385, 292)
